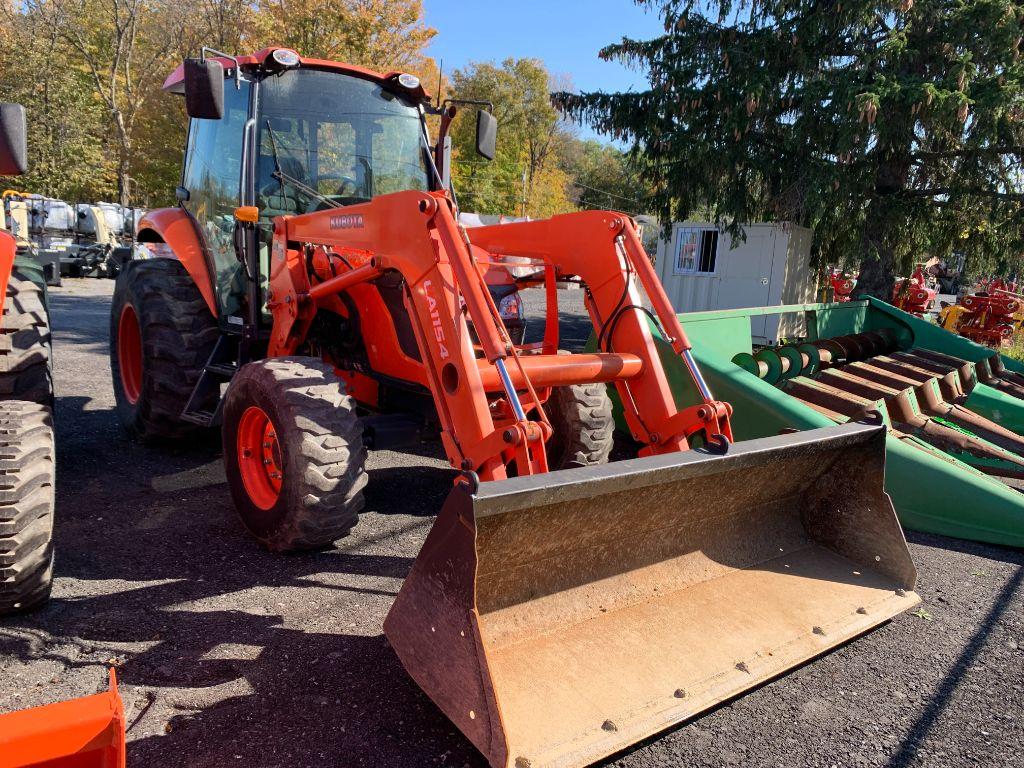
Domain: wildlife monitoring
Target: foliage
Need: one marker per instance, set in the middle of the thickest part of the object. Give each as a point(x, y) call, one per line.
point(67, 136)
point(89, 73)
point(541, 167)
point(602, 176)
point(894, 129)
point(523, 169)
point(381, 34)
point(1015, 350)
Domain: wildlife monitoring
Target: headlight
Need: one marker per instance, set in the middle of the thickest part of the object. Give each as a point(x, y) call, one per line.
point(286, 57)
point(408, 81)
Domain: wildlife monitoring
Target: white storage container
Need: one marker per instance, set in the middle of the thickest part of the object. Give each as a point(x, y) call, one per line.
point(703, 269)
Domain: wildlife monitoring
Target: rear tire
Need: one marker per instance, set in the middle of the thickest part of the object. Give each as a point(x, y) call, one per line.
point(26, 505)
point(290, 417)
point(582, 424)
point(25, 371)
point(161, 337)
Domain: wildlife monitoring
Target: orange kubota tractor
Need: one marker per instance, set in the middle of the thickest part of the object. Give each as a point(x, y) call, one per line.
point(561, 607)
point(82, 733)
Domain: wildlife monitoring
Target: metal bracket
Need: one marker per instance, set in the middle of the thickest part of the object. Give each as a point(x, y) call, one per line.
point(221, 54)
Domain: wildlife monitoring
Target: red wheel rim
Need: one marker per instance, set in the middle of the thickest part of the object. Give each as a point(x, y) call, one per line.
point(259, 457)
point(129, 353)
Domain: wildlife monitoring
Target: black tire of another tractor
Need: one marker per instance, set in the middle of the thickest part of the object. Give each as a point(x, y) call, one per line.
point(323, 457)
point(583, 427)
point(25, 371)
point(26, 505)
point(178, 334)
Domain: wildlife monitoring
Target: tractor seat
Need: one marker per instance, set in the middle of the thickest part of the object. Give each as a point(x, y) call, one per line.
point(278, 205)
point(273, 201)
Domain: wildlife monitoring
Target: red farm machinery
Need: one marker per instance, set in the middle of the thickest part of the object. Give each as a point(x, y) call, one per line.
point(313, 296)
point(913, 294)
point(989, 317)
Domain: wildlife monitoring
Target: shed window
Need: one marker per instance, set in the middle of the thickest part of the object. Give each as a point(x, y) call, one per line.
point(696, 251)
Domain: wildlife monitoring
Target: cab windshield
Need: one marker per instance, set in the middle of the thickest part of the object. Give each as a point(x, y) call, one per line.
point(333, 136)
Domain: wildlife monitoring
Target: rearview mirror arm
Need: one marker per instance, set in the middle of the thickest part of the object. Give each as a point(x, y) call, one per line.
point(238, 70)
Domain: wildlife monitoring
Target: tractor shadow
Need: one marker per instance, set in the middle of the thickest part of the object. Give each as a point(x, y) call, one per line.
point(213, 636)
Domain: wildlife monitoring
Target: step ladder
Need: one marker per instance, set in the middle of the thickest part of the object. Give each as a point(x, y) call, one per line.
point(219, 369)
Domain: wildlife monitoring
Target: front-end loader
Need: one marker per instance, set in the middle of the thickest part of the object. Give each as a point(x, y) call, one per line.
point(313, 295)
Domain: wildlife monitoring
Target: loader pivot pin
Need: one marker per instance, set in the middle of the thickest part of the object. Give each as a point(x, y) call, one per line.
point(259, 457)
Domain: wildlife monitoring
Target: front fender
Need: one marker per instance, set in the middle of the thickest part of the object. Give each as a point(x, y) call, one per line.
point(174, 227)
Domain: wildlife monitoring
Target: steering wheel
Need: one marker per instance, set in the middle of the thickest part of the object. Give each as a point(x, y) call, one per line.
point(347, 186)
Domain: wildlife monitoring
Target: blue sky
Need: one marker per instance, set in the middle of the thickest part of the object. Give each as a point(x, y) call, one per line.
point(565, 34)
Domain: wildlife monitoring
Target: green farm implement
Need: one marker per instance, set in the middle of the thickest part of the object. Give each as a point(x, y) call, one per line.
point(954, 409)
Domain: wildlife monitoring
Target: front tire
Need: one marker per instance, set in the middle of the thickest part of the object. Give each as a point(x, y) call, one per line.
point(26, 505)
point(293, 453)
point(25, 345)
point(583, 430)
point(161, 337)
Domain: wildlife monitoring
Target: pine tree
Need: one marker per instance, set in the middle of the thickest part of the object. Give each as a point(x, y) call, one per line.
point(895, 130)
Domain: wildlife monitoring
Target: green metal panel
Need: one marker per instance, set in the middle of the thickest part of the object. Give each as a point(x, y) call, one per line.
point(937, 494)
point(841, 318)
point(719, 333)
point(1005, 410)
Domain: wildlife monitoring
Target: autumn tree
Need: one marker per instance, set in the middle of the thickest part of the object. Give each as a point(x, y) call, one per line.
point(379, 34)
point(894, 129)
point(123, 45)
point(602, 176)
point(67, 125)
point(525, 177)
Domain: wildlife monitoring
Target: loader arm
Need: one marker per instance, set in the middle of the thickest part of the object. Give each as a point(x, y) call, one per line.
point(604, 250)
point(416, 235)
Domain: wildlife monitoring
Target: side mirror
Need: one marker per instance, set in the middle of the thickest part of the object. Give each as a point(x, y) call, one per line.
point(486, 134)
point(13, 143)
point(204, 89)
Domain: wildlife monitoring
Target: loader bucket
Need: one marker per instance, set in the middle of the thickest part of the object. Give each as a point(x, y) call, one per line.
point(81, 733)
point(559, 618)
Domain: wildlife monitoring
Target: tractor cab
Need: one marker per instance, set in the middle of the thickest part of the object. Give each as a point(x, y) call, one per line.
point(276, 134)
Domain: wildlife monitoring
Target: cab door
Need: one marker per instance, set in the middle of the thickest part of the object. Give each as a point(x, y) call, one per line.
point(212, 177)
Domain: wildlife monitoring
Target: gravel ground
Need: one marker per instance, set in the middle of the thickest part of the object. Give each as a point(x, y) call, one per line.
point(232, 656)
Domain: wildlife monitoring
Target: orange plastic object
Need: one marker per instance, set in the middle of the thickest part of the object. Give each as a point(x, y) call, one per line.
point(81, 733)
point(8, 247)
point(249, 214)
point(174, 227)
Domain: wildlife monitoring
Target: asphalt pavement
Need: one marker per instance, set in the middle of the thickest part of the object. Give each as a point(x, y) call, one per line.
point(229, 655)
